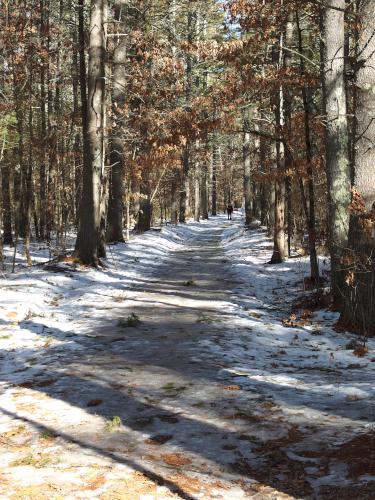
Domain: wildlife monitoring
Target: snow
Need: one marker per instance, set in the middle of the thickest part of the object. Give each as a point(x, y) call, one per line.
point(210, 363)
point(296, 350)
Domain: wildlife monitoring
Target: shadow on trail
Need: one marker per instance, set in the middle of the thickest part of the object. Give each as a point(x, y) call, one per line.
point(159, 480)
point(230, 445)
point(127, 370)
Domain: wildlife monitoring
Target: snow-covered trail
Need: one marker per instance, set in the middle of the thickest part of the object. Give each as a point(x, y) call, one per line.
point(209, 396)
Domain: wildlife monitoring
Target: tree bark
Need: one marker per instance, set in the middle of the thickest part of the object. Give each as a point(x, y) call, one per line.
point(359, 310)
point(214, 167)
point(44, 21)
point(184, 193)
point(6, 205)
point(197, 195)
point(310, 213)
point(204, 191)
point(247, 174)
point(145, 206)
point(174, 198)
point(116, 189)
point(88, 238)
point(336, 137)
point(278, 255)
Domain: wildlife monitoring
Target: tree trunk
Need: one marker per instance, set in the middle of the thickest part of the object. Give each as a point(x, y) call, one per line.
point(247, 173)
point(184, 193)
point(310, 214)
point(116, 189)
point(278, 255)
point(359, 310)
point(204, 192)
point(43, 129)
point(174, 198)
point(336, 132)
point(6, 205)
point(88, 238)
point(288, 103)
point(145, 208)
point(214, 164)
point(265, 195)
point(197, 193)
point(255, 205)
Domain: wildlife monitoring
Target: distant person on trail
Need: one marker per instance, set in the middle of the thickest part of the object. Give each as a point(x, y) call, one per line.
point(229, 211)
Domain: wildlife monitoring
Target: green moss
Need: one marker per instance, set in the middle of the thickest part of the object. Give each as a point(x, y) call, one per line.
point(113, 424)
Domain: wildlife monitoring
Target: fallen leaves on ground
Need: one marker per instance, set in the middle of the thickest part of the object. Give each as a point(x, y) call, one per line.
point(175, 459)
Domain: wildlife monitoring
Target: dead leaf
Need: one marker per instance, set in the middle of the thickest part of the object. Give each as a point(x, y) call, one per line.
point(95, 402)
point(360, 351)
point(175, 459)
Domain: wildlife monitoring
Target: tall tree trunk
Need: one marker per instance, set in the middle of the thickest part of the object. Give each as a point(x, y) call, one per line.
point(44, 21)
point(214, 167)
point(116, 189)
point(145, 206)
point(288, 104)
point(174, 198)
point(186, 160)
point(255, 209)
point(88, 238)
point(6, 205)
point(247, 173)
point(364, 179)
point(278, 254)
point(197, 195)
point(359, 310)
point(336, 131)
point(310, 214)
point(29, 177)
point(184, 193)
point(265, 195)
point(77, 146)
point(204, 192)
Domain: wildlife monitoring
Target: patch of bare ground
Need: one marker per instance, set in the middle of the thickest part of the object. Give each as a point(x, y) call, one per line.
point(293, 436)
point(192, 485)
point(263, 492)
point(278, 470)
point(187, 483)
point(135, 485)
point(95, 482)
point(357, 492)
point(359, 455)
point(175, 459)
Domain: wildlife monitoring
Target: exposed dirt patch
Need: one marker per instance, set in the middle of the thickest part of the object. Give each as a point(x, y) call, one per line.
point(94, 402)
point(294, 436)
point(175, 459)
point(159, 439)
point(359, 455)
point(135, 485)
point(187, 483)
point(357, 492)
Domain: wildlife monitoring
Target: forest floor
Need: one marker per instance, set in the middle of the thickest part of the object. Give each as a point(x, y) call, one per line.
point(170, 374)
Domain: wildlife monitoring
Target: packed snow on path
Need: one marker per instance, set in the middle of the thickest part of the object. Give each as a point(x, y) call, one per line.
point(208, 395)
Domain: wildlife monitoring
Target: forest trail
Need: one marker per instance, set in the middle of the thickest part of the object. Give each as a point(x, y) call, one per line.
point(193, 401)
